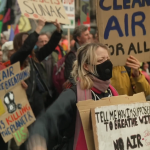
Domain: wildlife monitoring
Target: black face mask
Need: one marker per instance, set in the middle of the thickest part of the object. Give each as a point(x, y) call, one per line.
point(104, 70)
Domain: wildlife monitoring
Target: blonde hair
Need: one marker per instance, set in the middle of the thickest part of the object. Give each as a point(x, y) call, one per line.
point(86, 55)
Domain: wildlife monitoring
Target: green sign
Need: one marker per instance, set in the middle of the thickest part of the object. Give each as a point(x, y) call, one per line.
point(85, 10)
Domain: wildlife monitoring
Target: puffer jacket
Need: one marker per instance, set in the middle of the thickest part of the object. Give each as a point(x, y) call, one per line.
point(126, 84)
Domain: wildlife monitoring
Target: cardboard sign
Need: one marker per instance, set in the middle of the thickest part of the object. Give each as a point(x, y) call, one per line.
point(17, 114)
point(122, 127)
point(124, 27)
point(49, 9)
point(21, 135)
point(69, 6)
point(85, 107)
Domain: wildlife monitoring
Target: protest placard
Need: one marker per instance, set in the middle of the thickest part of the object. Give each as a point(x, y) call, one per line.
point(120, 127)
point(124, 27)
point(48, 9)
point(16, 114)
point(69, 6)
point(85, 108)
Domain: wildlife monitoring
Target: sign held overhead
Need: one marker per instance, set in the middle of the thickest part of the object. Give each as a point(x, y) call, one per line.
point(124, 27)
point(49, 9)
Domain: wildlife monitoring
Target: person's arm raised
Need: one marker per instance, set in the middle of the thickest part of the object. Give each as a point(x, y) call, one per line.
point(28, 45)
point(51, 45)
point(41, 24)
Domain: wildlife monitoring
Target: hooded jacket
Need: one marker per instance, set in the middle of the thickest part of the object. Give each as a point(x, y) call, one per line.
point(127, 84)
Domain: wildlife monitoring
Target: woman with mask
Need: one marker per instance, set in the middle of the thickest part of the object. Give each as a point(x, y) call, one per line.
point(92, 72)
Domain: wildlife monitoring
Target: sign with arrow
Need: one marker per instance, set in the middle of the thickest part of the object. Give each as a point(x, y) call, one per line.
point(24, 24)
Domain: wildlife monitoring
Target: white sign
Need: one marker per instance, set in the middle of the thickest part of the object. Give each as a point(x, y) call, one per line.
point(50, 10)
point(69, 6)
point(123, 127)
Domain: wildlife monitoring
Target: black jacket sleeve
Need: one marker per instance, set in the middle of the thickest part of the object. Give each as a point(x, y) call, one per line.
point(57, 118)
point(49, 47)
point(29, 44)
point(26, 49)
point(70, 58)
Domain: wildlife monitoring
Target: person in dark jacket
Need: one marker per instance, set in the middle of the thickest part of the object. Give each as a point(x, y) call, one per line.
point(92, 72)
point(38, 88)
point(81, 35)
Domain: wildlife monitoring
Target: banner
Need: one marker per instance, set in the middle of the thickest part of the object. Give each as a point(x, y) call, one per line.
point(124, 27)
point(49, 9)
point(70, 11)
point(88, 119)
point(15, 111)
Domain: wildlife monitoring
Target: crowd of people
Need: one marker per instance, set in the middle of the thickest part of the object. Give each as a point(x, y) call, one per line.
point(61, 76)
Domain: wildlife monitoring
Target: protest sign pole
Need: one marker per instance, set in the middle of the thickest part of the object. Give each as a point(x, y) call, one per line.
point(70, 11)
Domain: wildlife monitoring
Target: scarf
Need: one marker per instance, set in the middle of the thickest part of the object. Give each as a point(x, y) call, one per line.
point(81, 96)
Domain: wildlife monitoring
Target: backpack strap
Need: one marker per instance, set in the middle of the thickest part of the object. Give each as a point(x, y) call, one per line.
point(74, 89)
point(128, 70)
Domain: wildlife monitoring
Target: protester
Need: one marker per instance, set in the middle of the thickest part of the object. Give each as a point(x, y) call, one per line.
point(8, 50)
point(92, 83)
point(38, 91)
point(63, 68)
point(64, 43)
point(92, 38)
point(129, 80)
point(72, 43)
point(3, 38)
point(96, 37)
point(48, 62)
point(58, 54)
point(81, 35)
point(42, 40)
point(145, 67)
